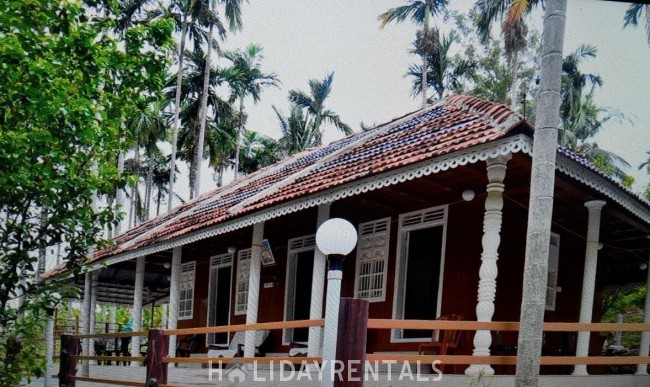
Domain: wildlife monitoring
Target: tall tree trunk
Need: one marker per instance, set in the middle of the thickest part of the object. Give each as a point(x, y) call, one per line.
point(514, 68)
point(177, 110)
point(425, 59)
point(541, 196)
point(238, 135)
point(148, 188)
point(220, 177)
point(198, 155)
point(119, 193)
point(158, 202)
point(135, 194)
point(42, 252)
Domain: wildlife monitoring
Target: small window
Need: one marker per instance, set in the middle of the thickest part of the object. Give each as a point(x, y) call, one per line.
point(243, 273)
point(186, 297)
point(372, 260)
point(553, 264)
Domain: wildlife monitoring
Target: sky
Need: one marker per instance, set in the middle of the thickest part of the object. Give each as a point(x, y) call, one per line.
point(305, 39)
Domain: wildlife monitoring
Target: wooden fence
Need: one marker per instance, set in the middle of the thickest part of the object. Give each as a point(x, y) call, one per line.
point(157, 358)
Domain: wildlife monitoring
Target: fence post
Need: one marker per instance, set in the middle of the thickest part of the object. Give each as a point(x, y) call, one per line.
point(351, 342)
point(67, 365)
point(157, 349)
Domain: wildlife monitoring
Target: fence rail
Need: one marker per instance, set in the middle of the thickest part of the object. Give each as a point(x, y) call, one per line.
point(109, 335)
point(248, 327)
point(107, 381)
point(158, 345)
point(504, 326)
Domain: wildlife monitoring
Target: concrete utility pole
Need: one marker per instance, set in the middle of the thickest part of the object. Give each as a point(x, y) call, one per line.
point(542, 183)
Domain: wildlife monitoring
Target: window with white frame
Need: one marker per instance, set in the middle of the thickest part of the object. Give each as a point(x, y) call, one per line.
point(186, 297)
point(372, 260)
point(553, 265)
point(243, 272)
point(419, 270)
point(220, 286)
point(300, 267)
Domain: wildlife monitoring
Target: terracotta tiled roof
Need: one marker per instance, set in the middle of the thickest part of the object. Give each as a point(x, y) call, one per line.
point(455, 123)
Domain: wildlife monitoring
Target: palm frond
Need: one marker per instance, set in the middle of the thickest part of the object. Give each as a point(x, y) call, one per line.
point(233, 14)
point(632, 15)
point(489, 11)
point(414, 10)
point(302, 99)
point(334, 119)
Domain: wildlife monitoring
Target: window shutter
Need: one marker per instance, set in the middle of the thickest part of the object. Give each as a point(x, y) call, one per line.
point(372, 260)
point(553, 265)
point(186, 297)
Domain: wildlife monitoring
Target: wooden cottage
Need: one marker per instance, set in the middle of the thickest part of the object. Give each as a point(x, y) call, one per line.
point(439, 198)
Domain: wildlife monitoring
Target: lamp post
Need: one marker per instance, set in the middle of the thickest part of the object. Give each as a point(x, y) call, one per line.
point(335, 238)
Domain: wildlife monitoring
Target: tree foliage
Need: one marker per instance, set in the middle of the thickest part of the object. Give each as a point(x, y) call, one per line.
point(491, 74)
point(67, 84)
point(313, 103)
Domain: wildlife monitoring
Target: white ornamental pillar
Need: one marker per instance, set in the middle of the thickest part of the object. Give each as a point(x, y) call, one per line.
point(174, 293)
point(85, 323)
point(644, 349)
point(588, 280)
point(136, 312)
point(487, 286)
point(317, 288)
point(254, 287)
point(49, 350)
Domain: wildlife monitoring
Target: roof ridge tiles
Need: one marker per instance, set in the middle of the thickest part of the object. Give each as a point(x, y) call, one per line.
point(496, 114)
point(363, 137)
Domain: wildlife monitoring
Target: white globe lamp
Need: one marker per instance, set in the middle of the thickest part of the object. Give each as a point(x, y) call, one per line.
point(335, 238)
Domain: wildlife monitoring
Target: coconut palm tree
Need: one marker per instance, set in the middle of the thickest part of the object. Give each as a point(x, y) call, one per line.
point(297, 131)
point(420, 12)
point(314, 105)
point(232, 13)
point(246, 78)
point(540, 208)
point(574, 81)
point(160, 179)
point(633, 14)
point(513, 29)
point(147, 125)
point(584, 122)
point(153, 124)
point(222, 117)
point(188, 16)
point(444, 73)
point(131, 13)
point(257, 151)
point(220, 145)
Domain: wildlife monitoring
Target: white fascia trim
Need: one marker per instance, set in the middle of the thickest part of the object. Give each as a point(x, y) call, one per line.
point(462, 157)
